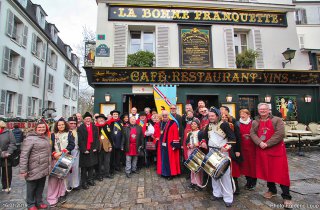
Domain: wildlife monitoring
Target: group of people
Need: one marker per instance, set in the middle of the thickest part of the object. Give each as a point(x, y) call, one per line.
point(102, 145)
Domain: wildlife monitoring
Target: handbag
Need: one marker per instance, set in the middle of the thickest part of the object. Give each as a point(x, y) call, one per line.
point(15, 158)
point(150, 145)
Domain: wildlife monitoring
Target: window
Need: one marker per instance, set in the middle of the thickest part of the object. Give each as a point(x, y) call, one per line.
point(54, 34)
point(38, 47)
point(301, 16)
point(31, 105)
point(66, 90)
point(68, 51)
point(74, 110)
point(74, 94)
point(13, 64)
point(68, 73)
point(240, 42)
point(9, 104)
point(75, 79)
point(16, 29)
point(52, 59)
point(19, 111)
point(50, 83)
point(41, 17)
point(250, 103)
point(140, 40)
point(36, 75)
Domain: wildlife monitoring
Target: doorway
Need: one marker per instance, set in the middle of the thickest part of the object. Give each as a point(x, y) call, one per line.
point(209, 100)
point(139, 101)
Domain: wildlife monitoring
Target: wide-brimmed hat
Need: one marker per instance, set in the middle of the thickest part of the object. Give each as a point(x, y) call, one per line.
point(87, 114)
point(115, 111)
point(72, 119)
point(101, 116)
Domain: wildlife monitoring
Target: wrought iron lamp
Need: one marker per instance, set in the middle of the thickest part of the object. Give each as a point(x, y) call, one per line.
point(288, 55)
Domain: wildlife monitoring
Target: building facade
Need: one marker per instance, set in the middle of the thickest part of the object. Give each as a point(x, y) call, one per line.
point(196, 44)
point(38, 69)
point(308, 28)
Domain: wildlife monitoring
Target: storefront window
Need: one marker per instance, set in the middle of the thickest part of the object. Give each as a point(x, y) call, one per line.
point(250, 103)
point(240, 42)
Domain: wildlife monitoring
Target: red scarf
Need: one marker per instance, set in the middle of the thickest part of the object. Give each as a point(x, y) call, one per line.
point(90, 136)
point(112, 120)
point(1, 130)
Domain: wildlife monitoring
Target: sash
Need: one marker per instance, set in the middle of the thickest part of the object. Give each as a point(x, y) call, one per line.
point(117, 125)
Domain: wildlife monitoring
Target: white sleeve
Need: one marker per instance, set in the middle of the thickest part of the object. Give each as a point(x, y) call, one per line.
point(150, 130)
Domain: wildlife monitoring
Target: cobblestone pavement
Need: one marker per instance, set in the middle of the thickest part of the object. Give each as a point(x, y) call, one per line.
point(149, 191)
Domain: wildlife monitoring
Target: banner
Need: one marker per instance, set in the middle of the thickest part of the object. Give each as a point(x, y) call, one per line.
point(164, 97)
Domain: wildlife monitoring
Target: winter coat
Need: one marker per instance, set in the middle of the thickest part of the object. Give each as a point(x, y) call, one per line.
point(91, 159)
point(18, 134)
point(7, 143)
point(125, 143)
point(35, 158)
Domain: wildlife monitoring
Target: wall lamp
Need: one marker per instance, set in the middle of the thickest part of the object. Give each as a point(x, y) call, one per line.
point(288, 55)
point(229, 98)
point(267, 98)
point(107, 97)
point(307, 98)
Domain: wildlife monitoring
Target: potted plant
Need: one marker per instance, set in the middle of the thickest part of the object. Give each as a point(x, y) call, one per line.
point(141, 59)
point(246, 59)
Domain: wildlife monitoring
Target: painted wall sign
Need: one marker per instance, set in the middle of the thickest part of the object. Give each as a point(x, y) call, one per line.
point(211, 16)
point(103, 51)
point(195, 46)
point(200, 76)
point(90, 49)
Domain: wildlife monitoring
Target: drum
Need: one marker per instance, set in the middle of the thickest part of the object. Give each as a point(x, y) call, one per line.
point(62, 166)
point(193, 163)
point(215, 164)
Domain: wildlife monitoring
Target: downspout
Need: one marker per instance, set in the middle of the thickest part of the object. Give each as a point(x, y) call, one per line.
point(45, 77)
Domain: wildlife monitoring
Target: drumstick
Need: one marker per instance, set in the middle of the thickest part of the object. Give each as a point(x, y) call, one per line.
point(231, 142)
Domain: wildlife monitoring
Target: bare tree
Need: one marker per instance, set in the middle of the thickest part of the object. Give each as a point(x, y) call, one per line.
point(85, 102)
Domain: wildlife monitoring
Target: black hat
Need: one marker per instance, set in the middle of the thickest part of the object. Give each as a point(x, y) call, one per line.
point(114, 111)
point(87, 114)
point(123, 115)
point(72, 119)
point(142, 114)
point(196, 120)
point(61, 119)
point(101, 116)
point(215, 110)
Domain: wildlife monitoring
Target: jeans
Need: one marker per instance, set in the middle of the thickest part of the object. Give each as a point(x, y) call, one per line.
point(131, 163)
point(34, 192)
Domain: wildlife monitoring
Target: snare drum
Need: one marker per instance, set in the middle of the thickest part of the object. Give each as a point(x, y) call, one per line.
point(194, 161)
point(62, 167)
point(215, 164)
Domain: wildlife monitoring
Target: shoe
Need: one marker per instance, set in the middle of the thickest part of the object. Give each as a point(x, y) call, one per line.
point(250, 187)
point(7, 190)
point(214, 198)
point(191, 186)
point(287, 204)
point(128, 175)
point(91, 183)
point(108, 176)
point(42, 206)
point(33, 208)
point(62, 199)
point(100, 179)
point(197, 188)
point(228, 205)
point(269, 195)
point(85, 187)
point(135, 172)
point(76, 188)
point(169, 178)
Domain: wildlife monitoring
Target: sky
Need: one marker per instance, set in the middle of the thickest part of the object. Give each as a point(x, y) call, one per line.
point(70, 16)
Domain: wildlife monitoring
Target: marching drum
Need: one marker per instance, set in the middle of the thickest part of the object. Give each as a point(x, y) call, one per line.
point(195, 160)
point(62, 167)
point(215, 163)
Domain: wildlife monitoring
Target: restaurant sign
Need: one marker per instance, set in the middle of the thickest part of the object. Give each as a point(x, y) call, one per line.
point(202, 76)
point(210, 16)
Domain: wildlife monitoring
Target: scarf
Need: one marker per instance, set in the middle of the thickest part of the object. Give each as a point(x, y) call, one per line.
point(112, 120)
point(1, 130)
point(90, 136)
point(245, 122)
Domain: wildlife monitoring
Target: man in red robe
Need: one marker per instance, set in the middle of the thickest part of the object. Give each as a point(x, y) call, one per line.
point(168, 161)
point(267, 132)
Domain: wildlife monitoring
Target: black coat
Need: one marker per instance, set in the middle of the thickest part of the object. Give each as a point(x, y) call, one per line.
point(126, 138)
point(91, 159)
point(116, 138)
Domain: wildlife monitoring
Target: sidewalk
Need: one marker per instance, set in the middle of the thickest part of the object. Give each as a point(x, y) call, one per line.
point(149, 191)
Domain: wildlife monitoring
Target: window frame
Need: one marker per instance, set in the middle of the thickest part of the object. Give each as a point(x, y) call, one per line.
point(142, 41)
point(35, 76)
